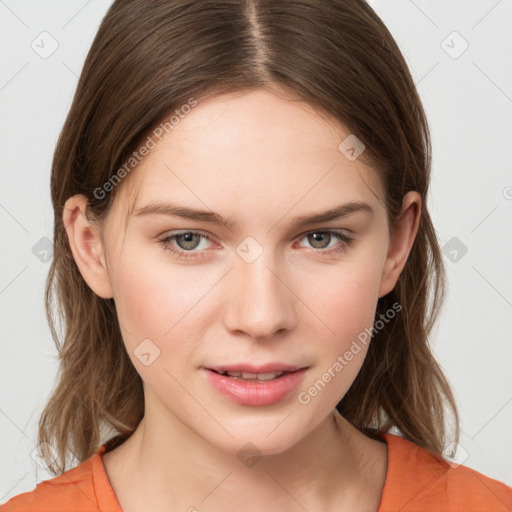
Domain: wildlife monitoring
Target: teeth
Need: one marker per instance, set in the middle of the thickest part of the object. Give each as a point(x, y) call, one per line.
point(254, 376)
point(267, 376)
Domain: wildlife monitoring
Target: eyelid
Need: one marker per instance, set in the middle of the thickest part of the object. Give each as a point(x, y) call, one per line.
point(173, 234)
point(345, 242)
point(210, 237)
point(323, 230)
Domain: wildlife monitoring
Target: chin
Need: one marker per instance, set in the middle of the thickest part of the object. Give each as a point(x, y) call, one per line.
point(257, 441)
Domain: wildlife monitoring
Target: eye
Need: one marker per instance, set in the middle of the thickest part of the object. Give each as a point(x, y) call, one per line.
point(322, 239)
point(187, 244)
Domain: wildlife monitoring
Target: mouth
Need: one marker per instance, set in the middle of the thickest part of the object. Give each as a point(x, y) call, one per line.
point(256, 373)
point(253, 377)
point(256, 387)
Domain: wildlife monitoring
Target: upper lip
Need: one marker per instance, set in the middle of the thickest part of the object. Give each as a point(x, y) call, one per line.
point(251, 368)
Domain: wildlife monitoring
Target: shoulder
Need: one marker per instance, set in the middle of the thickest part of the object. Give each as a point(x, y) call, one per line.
point(76, 490)
point(419, 480)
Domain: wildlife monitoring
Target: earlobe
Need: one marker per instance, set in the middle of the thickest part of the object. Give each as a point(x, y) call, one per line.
point(400, 246)
point(86, 246)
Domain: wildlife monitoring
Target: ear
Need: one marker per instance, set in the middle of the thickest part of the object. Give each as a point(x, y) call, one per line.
point(401, 243)
point(86, 246)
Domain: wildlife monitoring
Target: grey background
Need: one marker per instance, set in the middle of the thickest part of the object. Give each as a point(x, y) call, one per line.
point(468, 100)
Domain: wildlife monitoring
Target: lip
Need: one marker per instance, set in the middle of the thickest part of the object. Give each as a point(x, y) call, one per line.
point(255, 393)
point(250, 368)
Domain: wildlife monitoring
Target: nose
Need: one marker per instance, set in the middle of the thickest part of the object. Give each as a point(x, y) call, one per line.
point(260, 302)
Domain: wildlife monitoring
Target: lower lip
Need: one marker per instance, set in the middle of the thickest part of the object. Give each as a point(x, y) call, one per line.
point(255, 393)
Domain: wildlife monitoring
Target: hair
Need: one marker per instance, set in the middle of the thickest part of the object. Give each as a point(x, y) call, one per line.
point(150, 58)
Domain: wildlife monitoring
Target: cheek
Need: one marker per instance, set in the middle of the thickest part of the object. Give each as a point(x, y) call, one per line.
point(159, 301)
point(344, 298)
point(159, 308)
point(344, 301)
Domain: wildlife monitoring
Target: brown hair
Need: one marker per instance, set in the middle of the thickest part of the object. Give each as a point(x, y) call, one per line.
point(150, 58)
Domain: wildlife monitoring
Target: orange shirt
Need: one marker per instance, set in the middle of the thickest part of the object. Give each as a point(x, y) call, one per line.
point(416, 481)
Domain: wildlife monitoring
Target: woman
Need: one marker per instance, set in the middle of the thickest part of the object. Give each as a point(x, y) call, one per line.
point(244, 261)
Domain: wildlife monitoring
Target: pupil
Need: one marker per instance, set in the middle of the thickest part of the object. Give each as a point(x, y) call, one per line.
point(187, 240)
point(318, 238)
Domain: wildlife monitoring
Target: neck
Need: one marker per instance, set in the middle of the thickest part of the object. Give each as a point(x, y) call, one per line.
point(324, 468)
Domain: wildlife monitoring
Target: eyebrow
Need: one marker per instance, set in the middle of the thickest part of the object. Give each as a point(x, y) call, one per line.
point(184, 212)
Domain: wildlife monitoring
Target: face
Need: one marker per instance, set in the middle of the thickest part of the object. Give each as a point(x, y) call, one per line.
point(259, 288)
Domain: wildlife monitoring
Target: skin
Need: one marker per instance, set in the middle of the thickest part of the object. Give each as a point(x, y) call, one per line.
point(259, 159)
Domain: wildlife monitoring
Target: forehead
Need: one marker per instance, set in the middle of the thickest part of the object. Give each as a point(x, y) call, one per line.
point(251, 153)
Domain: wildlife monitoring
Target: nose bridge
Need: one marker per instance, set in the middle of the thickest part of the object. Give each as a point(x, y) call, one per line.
point(260, 304)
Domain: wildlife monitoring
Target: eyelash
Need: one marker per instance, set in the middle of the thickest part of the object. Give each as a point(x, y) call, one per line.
point(346, 242)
